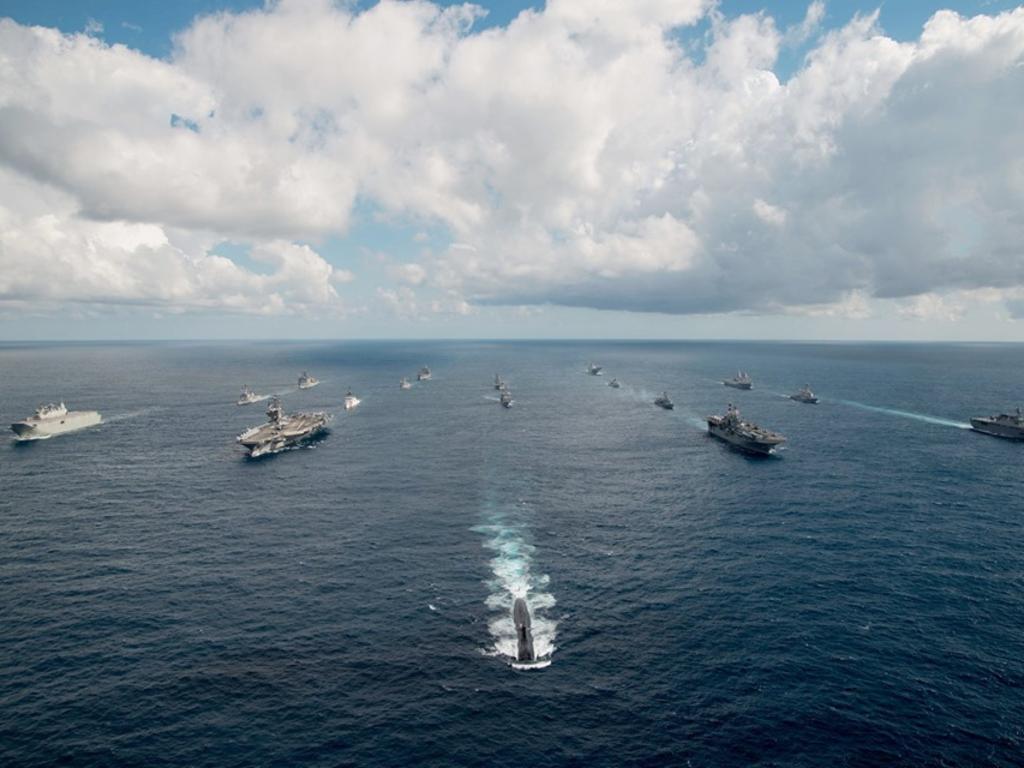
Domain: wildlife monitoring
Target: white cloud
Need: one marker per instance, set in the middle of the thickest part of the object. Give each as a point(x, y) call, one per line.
point(577, 156)
point(409, 274)
point(930, 306)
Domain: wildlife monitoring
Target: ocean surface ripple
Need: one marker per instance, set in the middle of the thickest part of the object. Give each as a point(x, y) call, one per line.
point(858, 600)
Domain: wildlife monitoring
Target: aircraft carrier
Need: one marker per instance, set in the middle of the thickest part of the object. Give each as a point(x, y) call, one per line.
point(282, 431)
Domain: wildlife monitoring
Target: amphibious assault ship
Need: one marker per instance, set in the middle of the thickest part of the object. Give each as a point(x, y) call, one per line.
point(1006, 425)
point(282, 431)
point(53, 419)
point(743, 434)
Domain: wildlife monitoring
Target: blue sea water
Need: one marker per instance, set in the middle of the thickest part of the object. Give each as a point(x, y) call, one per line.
point(857, 600)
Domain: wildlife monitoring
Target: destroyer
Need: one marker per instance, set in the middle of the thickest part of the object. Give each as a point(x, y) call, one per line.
point(424, 374)
point(506, 398)
point(741, 380)
point(248, 397)
point(594, 370)
point(282, 431)
point(664, 401)
point(805, 395)
point(498, 383)
point(743, 434)
point(1008, 425)
point(53, 419)
point(404, 384)
point(351, 401)
point(614, 384)
point(307, 382)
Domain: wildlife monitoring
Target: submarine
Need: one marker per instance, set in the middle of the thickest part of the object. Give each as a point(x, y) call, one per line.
point(524, 637)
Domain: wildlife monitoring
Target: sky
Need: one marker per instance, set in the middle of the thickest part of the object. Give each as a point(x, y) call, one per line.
point(569, 168)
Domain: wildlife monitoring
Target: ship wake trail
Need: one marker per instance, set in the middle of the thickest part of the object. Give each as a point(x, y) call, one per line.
point(907, 415)
point(130, 415)
point(513, 576)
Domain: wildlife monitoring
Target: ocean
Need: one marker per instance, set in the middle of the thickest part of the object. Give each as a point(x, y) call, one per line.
point(856, 600)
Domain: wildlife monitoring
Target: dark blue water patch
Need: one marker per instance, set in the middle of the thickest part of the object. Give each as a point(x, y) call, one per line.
point(856, 601)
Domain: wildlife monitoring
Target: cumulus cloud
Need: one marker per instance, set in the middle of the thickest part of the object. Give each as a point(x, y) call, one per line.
point(580, 155)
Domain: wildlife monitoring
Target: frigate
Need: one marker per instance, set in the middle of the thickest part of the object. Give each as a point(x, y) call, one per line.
point(424, 374)
point(741, 380)
point(743, 434)
point(805, 395)
point(1007, 425)
point(498, 383)
point(282, 430)
point(351, 401)
point(664, 401)
point(614, 384)
point(247, 397)
point(307, 382)
point(53, 419)
point(594, 370)
point(506, 398)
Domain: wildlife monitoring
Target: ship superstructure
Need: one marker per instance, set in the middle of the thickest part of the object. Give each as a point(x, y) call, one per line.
point(53, 419)
point(282, 430)
point(743, 434)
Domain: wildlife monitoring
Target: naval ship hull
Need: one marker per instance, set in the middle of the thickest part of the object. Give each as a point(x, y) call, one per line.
point(738, 384)
point(1005, 431)
point(273, 438)
point(751, 445)
point(40, 429)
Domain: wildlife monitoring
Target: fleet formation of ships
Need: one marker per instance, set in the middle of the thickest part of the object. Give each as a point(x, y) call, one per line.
point(283, 430)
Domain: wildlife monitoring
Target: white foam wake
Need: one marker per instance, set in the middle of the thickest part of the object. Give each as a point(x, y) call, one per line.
point(907, 415)
point(513, 576)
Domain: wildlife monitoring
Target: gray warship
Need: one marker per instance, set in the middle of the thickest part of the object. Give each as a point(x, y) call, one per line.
point(1006, 425)
point(282, 431)
point(664, 401)
point(424, 374)
point(498, 383)
point(506, 398)
point(594, 370)
point(743, 434)
point(805, 395)
point(741, 380)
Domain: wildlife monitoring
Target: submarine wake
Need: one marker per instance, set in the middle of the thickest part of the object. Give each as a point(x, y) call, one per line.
point(514, 587)
point(907, 415)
